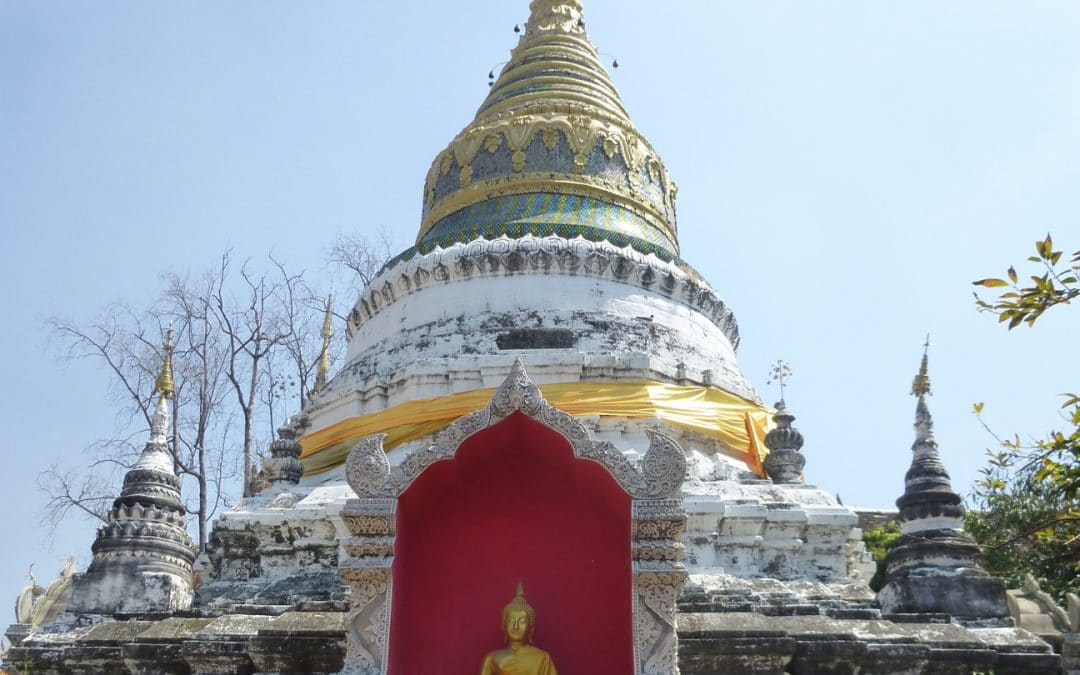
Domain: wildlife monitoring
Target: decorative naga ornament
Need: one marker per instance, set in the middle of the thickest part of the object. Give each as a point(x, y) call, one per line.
point(37, 606)
point(28, 598)
point(519, 657)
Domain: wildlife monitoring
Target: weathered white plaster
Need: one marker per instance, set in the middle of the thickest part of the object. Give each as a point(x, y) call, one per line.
point(932, 523)
point(438, 338)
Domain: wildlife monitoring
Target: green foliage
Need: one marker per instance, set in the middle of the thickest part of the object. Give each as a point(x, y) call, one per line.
point(1025, 523)
point(1057, 285)
point(878, 541)
point(1027, 503)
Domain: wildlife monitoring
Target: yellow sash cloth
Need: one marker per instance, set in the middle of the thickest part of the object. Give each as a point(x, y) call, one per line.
point(737, 422)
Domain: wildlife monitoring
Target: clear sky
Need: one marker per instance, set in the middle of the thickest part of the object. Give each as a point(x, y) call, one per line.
point(846, 169)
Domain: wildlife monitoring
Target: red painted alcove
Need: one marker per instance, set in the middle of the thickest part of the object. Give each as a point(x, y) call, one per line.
point(514, 504)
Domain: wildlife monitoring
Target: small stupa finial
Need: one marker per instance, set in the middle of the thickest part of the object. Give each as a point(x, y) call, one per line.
point(785, 462)
point(164, 386)
point(322, 369)
point(555, 16)
point(920, 386)
point(780, 371)
point(934, 566)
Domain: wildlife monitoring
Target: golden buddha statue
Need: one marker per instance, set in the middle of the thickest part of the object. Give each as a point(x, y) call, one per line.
point(518, 657)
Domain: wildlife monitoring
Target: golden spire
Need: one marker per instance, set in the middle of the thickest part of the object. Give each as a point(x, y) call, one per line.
point(322, 370)
point(554, 61)
point(551, 144)
point(164, 387)
point(920, 386)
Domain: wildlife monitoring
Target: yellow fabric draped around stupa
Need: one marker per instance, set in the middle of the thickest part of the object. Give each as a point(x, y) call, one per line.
point(738, 423)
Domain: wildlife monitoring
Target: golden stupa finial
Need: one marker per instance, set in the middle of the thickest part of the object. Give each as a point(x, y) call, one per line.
point(920, 386)
point(322, 369)
point(164, 386)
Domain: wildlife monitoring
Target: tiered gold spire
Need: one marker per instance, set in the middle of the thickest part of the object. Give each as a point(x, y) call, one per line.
point(322, 369)
point(164, 386)
point(920, 386)
point(551, 149)
point(555, 61)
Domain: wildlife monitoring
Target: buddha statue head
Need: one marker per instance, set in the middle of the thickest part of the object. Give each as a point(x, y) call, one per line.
point(519, 619)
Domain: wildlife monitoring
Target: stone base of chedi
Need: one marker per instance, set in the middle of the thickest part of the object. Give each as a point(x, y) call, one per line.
point(271, 603)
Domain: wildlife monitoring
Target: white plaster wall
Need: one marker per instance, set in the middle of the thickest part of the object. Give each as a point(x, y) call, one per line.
point(443, 339)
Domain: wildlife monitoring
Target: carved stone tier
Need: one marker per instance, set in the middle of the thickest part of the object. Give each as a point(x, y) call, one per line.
point(143, 556)
point(657, 528)
point(785, 463)
point(283, 468)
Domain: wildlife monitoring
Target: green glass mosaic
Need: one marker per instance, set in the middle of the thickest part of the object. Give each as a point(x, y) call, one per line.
point(549, 209)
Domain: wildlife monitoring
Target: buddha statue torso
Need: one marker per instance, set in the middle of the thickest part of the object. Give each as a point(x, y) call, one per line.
point(525, 660)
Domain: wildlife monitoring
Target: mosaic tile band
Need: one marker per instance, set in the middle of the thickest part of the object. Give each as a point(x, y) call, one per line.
point(464, 230)
point(549, 209)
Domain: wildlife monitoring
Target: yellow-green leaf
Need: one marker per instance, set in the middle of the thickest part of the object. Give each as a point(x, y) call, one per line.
point(990, 283)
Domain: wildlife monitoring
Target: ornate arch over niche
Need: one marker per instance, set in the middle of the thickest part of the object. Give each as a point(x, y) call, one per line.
point(658, 522)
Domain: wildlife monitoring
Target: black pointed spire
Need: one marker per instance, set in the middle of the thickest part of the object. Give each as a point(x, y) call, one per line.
point(933, 568)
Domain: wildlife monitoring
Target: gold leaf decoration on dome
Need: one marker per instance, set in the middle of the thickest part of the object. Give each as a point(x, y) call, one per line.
point(553, 88)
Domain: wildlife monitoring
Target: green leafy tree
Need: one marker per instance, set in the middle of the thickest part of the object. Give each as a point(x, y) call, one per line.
point(878, 541)
point(1027, 502)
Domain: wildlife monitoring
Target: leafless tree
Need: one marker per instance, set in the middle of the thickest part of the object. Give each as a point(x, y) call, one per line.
point(71, 490)
point(246, 341)
point(200, 441)
point(355, 260)
point(228, 323)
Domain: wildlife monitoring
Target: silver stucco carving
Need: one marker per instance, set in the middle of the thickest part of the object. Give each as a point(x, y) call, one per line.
point(529, 254)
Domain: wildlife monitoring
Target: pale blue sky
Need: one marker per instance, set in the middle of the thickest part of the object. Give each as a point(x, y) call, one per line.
point(845, 170)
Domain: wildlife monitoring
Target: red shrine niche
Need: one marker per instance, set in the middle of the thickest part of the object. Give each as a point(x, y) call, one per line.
point(516, 492)
point(513, 505)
